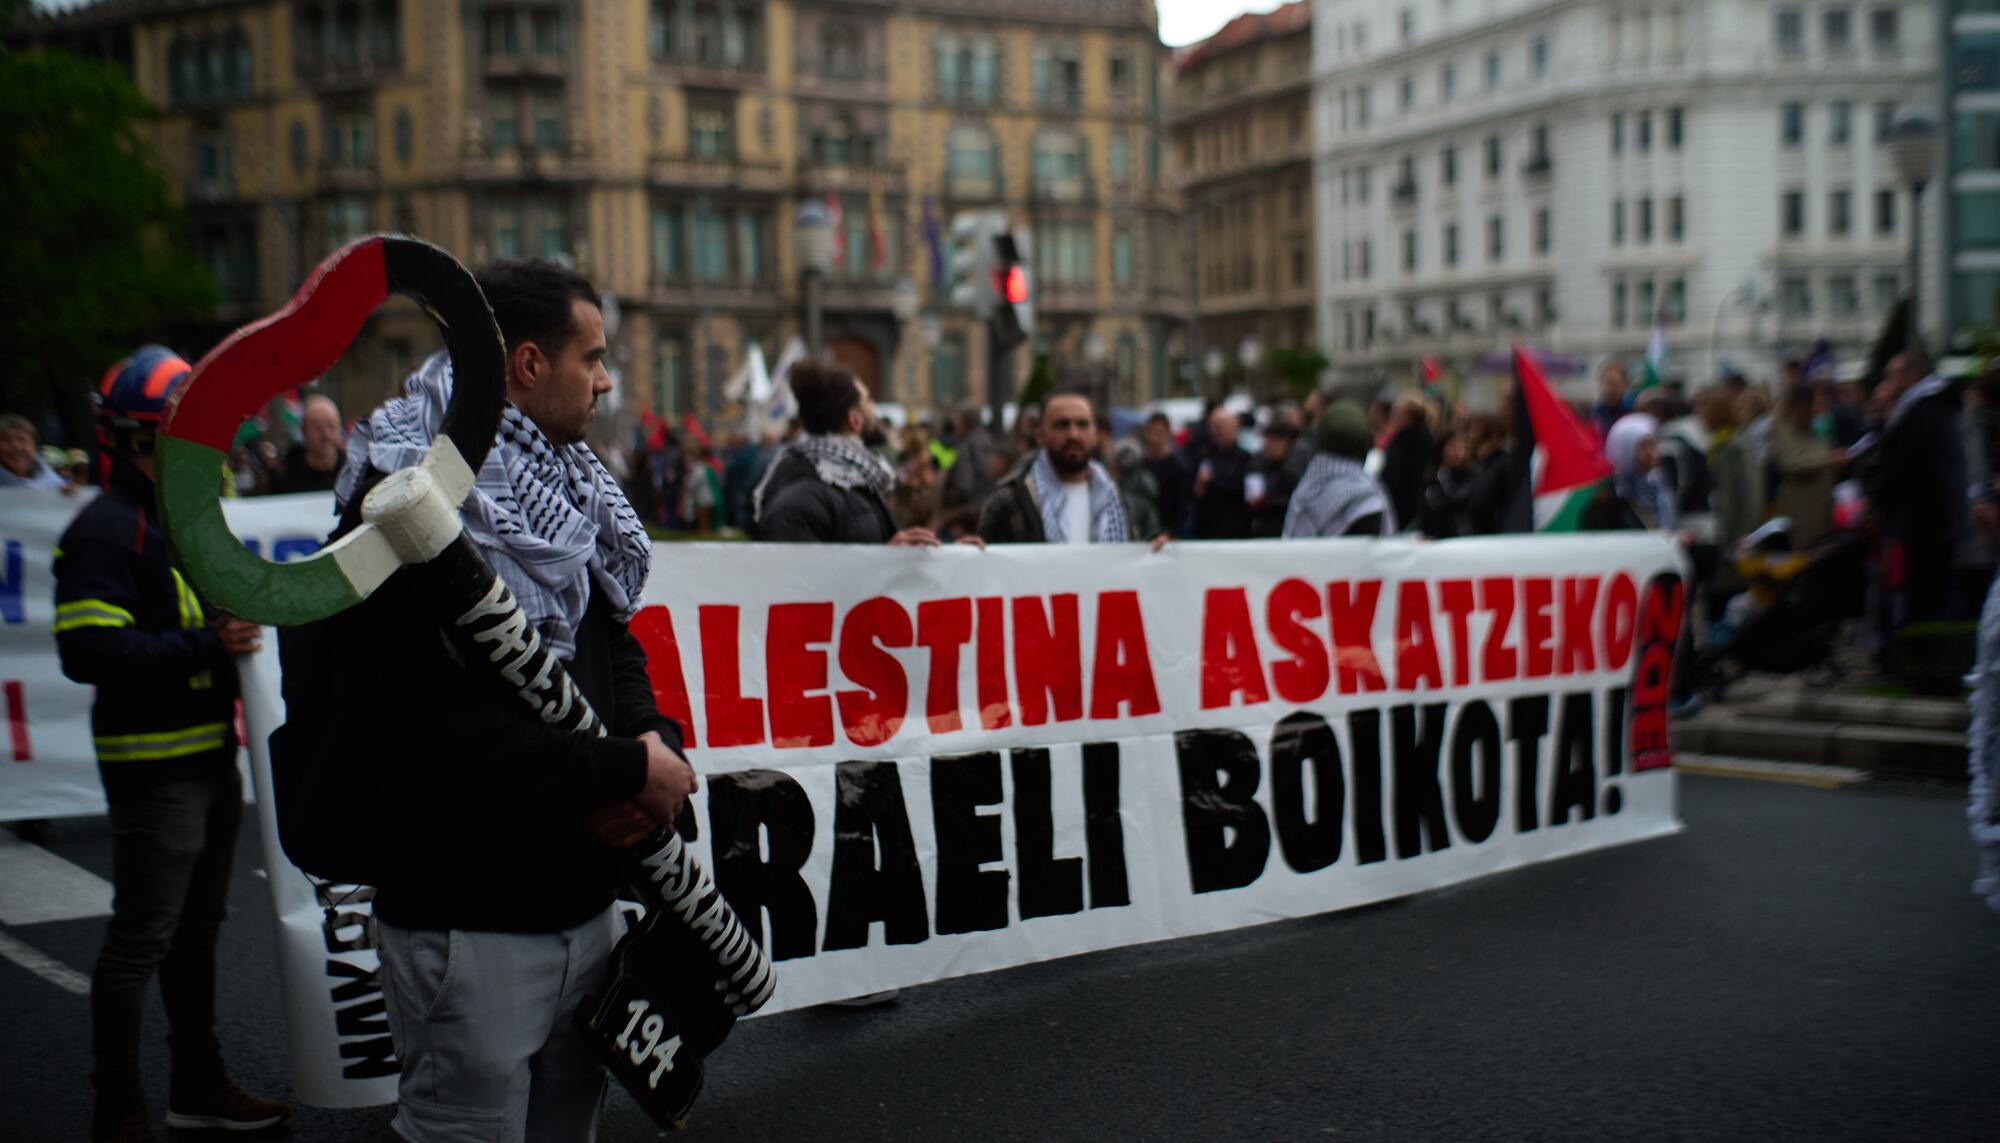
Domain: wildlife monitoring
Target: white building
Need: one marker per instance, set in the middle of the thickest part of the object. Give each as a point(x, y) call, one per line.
point(1561, 171)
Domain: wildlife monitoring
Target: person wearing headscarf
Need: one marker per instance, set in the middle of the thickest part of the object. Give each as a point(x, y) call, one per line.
point(1640, 496)
point(1336, 496)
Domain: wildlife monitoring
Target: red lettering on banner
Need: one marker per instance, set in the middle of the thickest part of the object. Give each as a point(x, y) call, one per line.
point(1500, 659)
point(1229, 662)
point(1048, 659)
point(1538, 597)
point(17, 722)
point(1351, 606)
point(795, 674)
point(733, 720)
point(1455, 600)
point(990, 651)
point(1619, 623)
point(1416, 641)
point(943, 626)
point(653, 626)
point(873, 713)
point(1663, 613)
point(1304, 677)
point(1579, 599)
point(1121, 668)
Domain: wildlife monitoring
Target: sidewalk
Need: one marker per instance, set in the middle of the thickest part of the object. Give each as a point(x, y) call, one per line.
point(1857, 724)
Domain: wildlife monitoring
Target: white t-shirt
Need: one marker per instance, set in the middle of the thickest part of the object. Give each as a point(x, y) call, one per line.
point(1076, 513)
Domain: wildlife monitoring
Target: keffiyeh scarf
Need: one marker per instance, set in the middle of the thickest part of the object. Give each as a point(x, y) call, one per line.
point(1107, 515)
point(549, 518)
point(841, 461)
point(1335, 492)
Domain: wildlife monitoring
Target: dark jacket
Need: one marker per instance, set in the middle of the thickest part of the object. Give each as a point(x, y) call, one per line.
point(800, 508)
point(298, 475)
point(1267, 516)
point(1170, 472)
point(1448, 503)
point(1918, 483)
point(1406, 465)
point(1220, 511)
point(129, 624)
point(1013, 514)
point(472, 809)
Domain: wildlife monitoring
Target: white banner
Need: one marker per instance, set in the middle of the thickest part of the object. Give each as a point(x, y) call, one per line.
point(49, 769)
point(922, 764)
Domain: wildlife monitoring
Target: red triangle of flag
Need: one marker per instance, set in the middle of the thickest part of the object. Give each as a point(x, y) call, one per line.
point(1569, 455)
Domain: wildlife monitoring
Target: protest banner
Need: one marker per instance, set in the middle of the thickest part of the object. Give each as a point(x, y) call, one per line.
point(922, 764)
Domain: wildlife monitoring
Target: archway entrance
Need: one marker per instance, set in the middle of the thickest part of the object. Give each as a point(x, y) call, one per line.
point(859, 358)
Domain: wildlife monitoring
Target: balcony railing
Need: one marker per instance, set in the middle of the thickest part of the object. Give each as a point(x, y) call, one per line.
point(890, 177)
point(1538, 167)
point(729, 174)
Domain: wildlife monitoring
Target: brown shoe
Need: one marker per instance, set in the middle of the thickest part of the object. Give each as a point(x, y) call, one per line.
point(125, 1123)
point(224, 1106)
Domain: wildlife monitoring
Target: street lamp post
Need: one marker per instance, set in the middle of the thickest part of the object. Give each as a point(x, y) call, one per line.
point(1250, 354)
point(1747, 294)
point(1214, 363)
point(1912, 147)
point(1094, 353)
point(904, 305)
point(812, 231)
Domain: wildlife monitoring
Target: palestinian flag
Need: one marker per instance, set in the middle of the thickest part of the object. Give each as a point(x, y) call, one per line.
point(1656, 357)
point(1558, 468)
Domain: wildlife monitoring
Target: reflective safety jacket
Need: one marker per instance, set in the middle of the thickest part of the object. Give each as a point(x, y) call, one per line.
point(129, 624)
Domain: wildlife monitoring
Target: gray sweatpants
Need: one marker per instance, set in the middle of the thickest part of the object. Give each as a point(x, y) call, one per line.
point(484, 1026)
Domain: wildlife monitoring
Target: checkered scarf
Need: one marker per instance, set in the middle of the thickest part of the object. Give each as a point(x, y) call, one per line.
point(550, 519)
point(1107, 513)
point(1335, 492)
point(841, 461)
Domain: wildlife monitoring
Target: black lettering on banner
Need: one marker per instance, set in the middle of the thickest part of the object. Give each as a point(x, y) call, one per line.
point(1574, 782)
point(1050, 886)
point(1219, 772)
point(969, 899)
point(1419, 800)
point(1364, 740)
point(1308, 841)
point(1475, 793)
point(1104, 826)
point(343, 928)
point(361, 1020)
point(1614, 748)
point(869, 813)
point(1527, 723)
point(742, 805)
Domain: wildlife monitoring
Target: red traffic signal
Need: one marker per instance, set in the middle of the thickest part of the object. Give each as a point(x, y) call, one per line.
point(1016, 287)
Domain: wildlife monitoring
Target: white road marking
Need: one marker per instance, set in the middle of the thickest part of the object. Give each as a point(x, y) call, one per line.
point(38, 886)
point(44, 966)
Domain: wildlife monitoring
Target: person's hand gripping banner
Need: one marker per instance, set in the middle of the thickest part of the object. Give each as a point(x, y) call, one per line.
point(685, 974)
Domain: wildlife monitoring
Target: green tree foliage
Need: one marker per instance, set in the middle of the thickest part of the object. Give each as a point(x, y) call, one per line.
point(93, 254)
point(1300, 369)
point(1894, 337)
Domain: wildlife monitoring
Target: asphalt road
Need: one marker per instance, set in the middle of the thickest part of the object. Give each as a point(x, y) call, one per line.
point(1798, 965)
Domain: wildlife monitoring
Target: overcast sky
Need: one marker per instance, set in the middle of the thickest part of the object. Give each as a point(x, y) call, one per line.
point(1185, 21)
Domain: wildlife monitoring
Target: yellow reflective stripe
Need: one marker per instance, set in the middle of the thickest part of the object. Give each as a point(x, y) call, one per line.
point(190, 605)
point(201, 681)
point(162, 744)
point(90, 613)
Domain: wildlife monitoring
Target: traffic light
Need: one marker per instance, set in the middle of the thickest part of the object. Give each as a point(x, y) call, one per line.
point(971, 264)
point(1013, 289)
point(991, 275)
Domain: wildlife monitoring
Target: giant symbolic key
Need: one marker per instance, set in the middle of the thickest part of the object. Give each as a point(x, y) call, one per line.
point(686, 973)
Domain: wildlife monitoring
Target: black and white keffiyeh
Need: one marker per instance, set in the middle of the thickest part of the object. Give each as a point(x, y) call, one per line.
point(1107, 514)
point(841, 461)
point(1335, 492)
point(550, 519)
